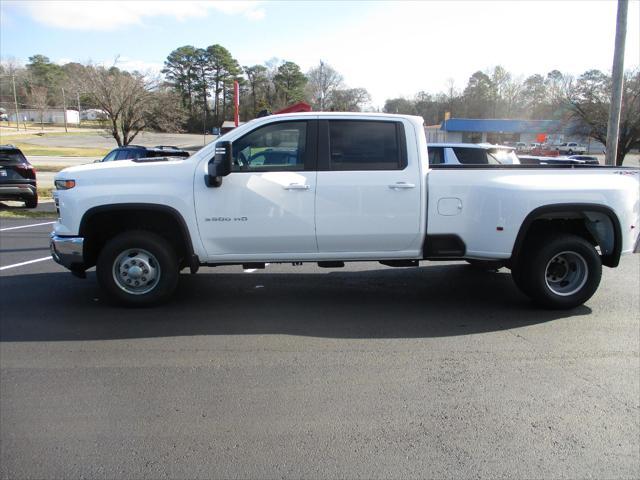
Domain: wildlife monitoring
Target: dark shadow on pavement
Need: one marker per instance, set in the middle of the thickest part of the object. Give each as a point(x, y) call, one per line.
point(432, 301)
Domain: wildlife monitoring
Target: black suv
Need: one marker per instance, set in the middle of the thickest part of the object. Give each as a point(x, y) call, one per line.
point(17, 177)
point(133, 152)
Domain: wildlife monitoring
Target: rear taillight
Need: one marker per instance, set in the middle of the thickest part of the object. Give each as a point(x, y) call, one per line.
point(27, 171)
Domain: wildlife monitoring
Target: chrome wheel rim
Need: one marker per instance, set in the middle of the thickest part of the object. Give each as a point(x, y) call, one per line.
point(136, 271)
point(566, 273)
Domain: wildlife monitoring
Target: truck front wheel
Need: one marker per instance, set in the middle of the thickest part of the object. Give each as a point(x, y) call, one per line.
point(138, 268)
point(564, 271)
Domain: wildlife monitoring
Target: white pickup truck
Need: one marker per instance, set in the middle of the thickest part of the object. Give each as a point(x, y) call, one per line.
point(337, 187)
point(569, 148)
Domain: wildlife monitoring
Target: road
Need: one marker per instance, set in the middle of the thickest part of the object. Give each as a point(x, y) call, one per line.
point(299, 372)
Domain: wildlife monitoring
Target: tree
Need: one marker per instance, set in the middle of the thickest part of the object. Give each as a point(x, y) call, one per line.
point(349, 99)
point(126, 97)
point(38, 99)
point(166, 112)
point(43, 73)
point(180, 69)
point(512, 97)
point(500, 79)
point(258, 83)
point(478, 95)
point(289, 83)
point(588, 101)
point(201, 83)
point(324, 80)
point(431, 108)
point(534, 95)
point(400, 105)
point(223, 68)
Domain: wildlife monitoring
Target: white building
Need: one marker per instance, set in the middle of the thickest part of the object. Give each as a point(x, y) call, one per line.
point(93, 114)
point(50, 115)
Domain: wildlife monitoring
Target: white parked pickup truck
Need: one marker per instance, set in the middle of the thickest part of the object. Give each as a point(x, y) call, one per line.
point(337, 187)
point(569, 148)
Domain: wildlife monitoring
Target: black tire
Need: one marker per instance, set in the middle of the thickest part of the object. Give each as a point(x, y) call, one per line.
point(31, 202)
point(489, 265)
point(142, 253)
point(562, 271)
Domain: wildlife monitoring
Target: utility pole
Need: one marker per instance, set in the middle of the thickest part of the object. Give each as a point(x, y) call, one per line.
point(204, 125)
point(79, 114)
point(617, 77)
point(15, 100)
point(64, 110)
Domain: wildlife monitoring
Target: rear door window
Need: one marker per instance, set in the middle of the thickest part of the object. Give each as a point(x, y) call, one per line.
point(436, 155)
point(473, 156)
point(366, 145)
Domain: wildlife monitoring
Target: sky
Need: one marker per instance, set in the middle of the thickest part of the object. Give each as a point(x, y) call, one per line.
point(392, 49)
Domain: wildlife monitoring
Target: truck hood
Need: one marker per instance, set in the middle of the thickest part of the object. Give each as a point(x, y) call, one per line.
point(119, 167)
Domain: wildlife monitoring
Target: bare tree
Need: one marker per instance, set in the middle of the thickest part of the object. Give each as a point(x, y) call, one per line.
point(167, 112)
point(323, 81)
point(38, 99)
point(126, 97)
point(588, 101)
point(349, 99)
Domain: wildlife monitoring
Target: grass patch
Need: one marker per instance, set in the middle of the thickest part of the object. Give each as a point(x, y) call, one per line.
point(45, 192)
point(29, 149)
point(36, 127)
point(25, 213)
point(50, 168)
point(22, 142)
point(31, 135)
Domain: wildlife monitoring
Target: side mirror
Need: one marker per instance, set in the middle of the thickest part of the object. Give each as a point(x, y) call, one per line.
point(220, 165)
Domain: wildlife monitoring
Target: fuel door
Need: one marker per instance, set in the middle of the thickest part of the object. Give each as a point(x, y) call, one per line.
point(449, 206)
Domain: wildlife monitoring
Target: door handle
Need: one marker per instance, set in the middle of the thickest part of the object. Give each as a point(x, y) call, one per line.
point(401, 186)
point(296, 186)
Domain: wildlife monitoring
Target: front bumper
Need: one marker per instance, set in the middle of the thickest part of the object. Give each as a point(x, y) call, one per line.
point(68, 251)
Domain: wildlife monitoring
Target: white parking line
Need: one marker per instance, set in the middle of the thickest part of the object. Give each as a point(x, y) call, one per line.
point(26, 263)
point(26, 226)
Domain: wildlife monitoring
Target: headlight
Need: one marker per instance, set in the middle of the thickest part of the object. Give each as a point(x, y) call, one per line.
point(64, 184)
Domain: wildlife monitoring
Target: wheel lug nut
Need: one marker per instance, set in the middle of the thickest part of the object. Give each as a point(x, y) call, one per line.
point(128, 280)
point(124, 274)
point(145, 271)
point(144, 279)
point(137, 283)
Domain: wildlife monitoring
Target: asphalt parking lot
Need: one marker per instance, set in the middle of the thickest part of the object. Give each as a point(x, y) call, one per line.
point(365, 372)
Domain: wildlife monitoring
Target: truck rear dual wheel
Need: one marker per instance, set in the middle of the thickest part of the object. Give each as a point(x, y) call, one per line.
point(138, 268)
point(561, 272)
